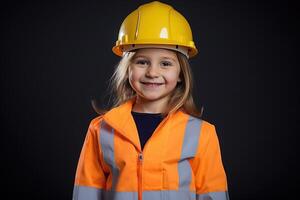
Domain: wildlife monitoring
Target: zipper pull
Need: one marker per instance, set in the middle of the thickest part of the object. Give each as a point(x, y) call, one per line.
point(140, 157)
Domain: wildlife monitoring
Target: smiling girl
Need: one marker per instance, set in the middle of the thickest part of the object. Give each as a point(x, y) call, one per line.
point(152, 144)
point(153, 75)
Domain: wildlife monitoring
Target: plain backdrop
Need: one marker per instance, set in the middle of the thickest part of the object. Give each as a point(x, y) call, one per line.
point(56, 57)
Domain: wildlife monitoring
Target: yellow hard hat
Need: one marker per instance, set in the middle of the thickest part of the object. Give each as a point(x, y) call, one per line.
point(157, 25)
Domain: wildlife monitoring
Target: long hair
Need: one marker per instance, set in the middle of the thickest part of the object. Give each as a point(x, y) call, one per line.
point(181, 98)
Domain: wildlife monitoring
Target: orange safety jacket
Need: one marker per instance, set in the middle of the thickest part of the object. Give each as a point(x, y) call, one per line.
point(180, 161)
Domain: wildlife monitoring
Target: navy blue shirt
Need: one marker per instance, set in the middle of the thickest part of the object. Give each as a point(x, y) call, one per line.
point(146, 124)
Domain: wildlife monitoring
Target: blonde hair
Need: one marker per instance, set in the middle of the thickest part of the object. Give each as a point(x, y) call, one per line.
point(181, 98)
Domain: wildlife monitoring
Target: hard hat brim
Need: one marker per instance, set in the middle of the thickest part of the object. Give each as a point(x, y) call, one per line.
point(187, 51)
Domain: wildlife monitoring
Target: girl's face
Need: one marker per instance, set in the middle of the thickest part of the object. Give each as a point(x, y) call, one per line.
point(154, 74)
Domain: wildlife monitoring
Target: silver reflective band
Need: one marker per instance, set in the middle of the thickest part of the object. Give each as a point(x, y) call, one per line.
point(108, 149)
point(86, 193)
point(181, 49)
point(213, 196)
point(112, 195)
point(169, 194)
point(189, 149)
point(90, 193)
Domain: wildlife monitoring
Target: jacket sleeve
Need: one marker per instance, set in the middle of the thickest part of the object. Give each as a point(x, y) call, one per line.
point(210, 177)
point(90, 178)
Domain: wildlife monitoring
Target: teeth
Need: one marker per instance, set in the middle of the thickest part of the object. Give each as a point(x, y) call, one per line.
point(152, 83)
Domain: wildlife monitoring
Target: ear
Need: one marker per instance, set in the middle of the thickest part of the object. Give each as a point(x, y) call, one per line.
point(179, 80)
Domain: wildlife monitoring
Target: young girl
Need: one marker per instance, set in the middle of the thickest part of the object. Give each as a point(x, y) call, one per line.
point(152, 145)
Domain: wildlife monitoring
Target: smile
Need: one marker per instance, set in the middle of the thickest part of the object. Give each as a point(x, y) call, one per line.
point(152, 84)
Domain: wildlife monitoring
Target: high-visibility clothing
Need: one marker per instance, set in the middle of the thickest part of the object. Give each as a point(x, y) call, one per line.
point(180, 161)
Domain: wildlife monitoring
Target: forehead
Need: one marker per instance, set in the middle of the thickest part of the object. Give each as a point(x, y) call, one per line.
point(156, 53)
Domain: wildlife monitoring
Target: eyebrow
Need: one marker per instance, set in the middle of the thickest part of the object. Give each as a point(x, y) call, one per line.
point(169, 58)
point(164, 57)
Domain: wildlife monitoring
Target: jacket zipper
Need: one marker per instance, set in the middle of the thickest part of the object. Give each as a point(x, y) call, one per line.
point(140, 175)
point(140, 164)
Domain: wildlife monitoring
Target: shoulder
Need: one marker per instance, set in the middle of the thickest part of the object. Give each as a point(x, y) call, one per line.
point(94, 127)
point(208, 137)
point(207, 129)
point(204, 125)
point(206, 134)
point(207, 126)
point(95, 122)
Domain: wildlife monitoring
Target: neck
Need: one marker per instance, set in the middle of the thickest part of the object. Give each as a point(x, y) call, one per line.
point(148, 106)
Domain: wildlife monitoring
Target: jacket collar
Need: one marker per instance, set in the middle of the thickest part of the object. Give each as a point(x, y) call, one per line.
point(120, 119)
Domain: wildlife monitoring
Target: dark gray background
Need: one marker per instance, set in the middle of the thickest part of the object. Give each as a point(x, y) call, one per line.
point(56, 57)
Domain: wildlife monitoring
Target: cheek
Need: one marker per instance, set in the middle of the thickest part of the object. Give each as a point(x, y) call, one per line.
point(173, 77)
point(131, 79)
point(129, 75)
point(134, 75)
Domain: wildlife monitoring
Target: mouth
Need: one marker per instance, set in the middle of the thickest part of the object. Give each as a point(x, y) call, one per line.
point(152, 84)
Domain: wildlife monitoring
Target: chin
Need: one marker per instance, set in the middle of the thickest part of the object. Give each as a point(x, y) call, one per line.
point(152, 97)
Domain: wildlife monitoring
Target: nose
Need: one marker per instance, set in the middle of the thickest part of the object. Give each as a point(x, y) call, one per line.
point(152, 71)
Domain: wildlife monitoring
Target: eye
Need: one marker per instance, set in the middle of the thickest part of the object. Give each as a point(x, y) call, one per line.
point(141, 62)
point(166, 63)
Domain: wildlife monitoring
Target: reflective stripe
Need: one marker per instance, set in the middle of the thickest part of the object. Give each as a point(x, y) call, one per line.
point(213, 196)
point(189, 149)
point(111, 195)
point(108, 149)
point(91, 193)
point(169, 194)
point(86, 193)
